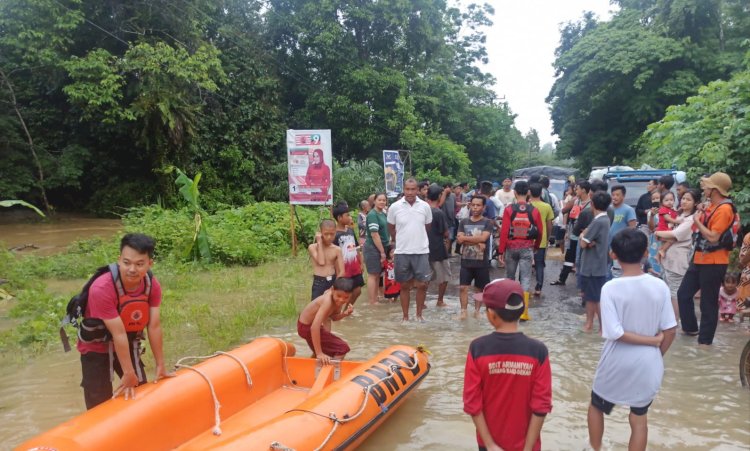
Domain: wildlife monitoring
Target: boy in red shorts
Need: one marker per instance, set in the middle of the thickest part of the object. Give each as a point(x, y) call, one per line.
point(314, 323)
point(507, 382)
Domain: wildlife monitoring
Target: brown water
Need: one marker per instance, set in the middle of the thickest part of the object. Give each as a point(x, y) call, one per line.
point(701, 405)
point(45, 238)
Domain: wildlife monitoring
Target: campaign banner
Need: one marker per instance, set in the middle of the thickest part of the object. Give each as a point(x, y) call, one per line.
point(394, 173)
point(310, 162)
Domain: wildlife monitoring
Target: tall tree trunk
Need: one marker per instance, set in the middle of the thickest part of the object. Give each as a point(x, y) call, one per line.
point(40, 172)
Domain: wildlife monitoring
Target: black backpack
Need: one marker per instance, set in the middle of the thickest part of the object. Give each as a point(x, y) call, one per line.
point(89, 329)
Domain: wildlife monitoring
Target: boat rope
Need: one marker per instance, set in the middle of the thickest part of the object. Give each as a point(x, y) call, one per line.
point(293, 385)
point(217, 406)
point(337, 421)
point(280, 447)
point(218, 353)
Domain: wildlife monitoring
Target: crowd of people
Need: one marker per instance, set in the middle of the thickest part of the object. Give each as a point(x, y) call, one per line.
point(637, 271)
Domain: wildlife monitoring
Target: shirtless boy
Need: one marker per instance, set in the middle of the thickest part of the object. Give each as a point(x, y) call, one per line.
point(314, 323)
point(328, 262)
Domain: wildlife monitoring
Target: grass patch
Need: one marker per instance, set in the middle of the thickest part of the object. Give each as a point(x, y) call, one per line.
point(205, 308)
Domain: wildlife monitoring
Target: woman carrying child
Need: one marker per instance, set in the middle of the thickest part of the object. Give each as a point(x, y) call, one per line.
point(675, 256)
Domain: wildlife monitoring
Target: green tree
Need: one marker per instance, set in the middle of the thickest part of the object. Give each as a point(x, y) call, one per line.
point(708, 133)
point(614, 78)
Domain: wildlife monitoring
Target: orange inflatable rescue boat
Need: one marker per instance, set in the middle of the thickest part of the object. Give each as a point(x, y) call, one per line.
point(256, 397)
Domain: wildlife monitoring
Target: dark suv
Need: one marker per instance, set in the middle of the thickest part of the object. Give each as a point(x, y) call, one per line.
point(635, 181)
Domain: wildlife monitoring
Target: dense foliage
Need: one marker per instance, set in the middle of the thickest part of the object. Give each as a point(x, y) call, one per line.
point(616, 77)
point(99, 99)
point(710, 132)
point(238, 236)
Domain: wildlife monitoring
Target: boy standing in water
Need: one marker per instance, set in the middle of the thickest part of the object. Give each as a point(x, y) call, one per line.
point(347, 242)
point(326, 257)
point(507, 381)
point(314, 323)
point(639, 325)
point(594, 242)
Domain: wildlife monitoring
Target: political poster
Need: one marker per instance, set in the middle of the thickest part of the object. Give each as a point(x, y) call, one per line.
point(310, 162)
point(394, 173)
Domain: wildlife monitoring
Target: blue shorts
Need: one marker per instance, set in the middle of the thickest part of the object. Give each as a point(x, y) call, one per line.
point(592, 287)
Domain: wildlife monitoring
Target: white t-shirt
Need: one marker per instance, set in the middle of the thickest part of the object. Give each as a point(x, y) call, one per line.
point(506, 198)
point(630, 374)
point(410, 221)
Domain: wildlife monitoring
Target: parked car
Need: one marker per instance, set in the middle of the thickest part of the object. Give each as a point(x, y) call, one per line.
point(557, 177)
point(635, 181)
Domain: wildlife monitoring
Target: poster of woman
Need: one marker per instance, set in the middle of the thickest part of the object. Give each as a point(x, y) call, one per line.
point(310, 161)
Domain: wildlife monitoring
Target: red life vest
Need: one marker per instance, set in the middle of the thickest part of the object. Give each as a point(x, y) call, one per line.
point(134, 310)
point(522, 226)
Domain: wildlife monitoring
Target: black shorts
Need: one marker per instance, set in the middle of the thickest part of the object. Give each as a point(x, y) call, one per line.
point(320, 285)
point(592, 287)
point(606, 407)
point(358, 280)
point(480, 277)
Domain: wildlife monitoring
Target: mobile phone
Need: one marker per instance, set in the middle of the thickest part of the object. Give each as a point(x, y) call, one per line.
point(655, 204)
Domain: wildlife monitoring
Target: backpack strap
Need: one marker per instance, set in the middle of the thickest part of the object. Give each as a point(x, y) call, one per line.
point(114, 269)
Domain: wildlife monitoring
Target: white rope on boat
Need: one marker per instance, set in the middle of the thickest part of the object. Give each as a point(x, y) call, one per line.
point(242, 365)
point(337, 421)
point(293, 385)
point(217, 406)
point(280, 447)
point(218, 353)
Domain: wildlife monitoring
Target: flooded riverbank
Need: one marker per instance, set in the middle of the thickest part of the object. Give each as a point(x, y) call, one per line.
point(701, 406)
point(53, 236)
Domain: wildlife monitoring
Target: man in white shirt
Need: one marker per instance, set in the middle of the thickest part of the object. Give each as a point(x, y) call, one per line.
point(505, 194)
point(408, 222)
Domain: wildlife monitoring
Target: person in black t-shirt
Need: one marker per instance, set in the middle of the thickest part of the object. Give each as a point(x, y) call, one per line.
point(438, 236)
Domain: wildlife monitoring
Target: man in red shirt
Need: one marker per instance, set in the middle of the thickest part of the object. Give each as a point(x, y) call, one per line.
point(507, 380)
point(520, 238)
point(120, 306)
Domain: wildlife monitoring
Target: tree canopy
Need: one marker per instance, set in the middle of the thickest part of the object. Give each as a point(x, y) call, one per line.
point(109, 96)
point(710, 132)
point(616, 77)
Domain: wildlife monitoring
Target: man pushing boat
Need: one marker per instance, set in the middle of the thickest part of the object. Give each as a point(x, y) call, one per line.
point(122, 301)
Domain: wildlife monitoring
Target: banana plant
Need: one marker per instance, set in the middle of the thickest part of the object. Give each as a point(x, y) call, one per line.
point(11, 203)
point(199, 246)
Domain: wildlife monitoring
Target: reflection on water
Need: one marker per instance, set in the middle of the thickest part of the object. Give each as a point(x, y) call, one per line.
point(701, 405)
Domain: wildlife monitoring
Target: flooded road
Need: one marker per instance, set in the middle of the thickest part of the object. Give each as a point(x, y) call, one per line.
point(701, 405)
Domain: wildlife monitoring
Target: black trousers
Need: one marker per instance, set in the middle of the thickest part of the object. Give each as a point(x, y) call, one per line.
point(96, 378)
point(708, 279)
point(570, 261)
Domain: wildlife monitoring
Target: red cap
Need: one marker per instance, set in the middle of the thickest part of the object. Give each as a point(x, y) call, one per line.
point(497, 293)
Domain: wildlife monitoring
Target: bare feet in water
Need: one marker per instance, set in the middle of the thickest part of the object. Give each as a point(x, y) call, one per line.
point(463, 315)
point(440, 304)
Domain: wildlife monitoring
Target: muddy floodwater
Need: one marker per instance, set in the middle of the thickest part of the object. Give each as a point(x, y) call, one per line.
point(45, 238)
point(701, 406)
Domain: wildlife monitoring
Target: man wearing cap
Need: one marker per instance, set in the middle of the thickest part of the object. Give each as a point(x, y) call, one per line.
point(710, 260)
point(507, 380)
